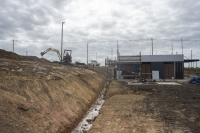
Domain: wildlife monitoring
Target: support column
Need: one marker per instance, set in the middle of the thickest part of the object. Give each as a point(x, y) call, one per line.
point(152, 45)
point(13, 45)
point(174, 70)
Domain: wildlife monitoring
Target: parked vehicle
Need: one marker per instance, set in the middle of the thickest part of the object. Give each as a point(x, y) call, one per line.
point(93, 63)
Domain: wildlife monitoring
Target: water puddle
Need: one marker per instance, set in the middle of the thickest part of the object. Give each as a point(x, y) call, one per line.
point(92, 113)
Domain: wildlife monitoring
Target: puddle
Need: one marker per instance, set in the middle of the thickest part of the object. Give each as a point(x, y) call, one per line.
point(92, 113)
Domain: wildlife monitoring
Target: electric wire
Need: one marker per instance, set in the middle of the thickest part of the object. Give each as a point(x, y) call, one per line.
point(114, 41)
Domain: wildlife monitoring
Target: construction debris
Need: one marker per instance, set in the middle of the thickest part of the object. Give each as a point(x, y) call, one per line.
point(195, 80)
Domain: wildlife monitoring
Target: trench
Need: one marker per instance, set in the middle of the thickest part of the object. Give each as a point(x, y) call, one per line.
point(92, 113)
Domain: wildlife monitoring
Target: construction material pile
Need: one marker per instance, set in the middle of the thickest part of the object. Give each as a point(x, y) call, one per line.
point(14, 56)
point(34, 58)
point(9, 55)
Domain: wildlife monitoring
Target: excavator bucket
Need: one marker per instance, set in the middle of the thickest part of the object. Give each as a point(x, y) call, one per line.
point(42, 53)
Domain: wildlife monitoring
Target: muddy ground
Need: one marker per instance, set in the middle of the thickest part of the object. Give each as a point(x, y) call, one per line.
point(153, 109)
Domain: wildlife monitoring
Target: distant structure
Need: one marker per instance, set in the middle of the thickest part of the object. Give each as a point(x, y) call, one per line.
point(151, 66)
point(110, 62)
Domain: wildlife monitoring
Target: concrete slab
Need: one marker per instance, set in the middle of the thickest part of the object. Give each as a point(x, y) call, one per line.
point(177, 80)
point(167, 83)
point(155, 83)
point(135, 84)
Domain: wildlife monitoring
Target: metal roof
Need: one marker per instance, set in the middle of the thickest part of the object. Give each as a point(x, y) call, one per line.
point(151, 58)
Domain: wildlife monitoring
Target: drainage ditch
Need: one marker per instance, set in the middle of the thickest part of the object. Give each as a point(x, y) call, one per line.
point(92, 113)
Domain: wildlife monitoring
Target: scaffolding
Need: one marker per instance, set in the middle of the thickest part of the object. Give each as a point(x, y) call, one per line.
point(110, 62)
point(128, 60)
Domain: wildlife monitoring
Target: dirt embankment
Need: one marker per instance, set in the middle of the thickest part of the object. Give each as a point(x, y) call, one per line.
point(142, 109)
point(13, 56)
point(191, 72)
point(44, 97)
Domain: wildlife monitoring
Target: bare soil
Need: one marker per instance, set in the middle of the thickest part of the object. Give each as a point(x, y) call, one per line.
point(142, 109)
point(191, 72)
point(39, 96)
point(13, 56)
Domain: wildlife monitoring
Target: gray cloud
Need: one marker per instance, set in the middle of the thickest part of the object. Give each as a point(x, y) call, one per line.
point(89, 20)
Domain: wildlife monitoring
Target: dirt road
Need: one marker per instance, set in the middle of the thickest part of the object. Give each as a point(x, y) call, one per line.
point(142, 109)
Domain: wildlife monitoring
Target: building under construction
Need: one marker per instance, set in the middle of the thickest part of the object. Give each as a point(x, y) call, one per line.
point(151, 66)
point(110, 62)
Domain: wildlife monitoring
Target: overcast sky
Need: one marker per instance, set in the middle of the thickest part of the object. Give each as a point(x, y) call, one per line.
point(36, 25)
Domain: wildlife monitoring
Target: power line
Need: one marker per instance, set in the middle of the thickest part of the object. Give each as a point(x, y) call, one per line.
point(38, 41)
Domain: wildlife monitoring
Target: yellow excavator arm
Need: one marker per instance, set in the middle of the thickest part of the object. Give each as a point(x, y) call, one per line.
point(50, 49)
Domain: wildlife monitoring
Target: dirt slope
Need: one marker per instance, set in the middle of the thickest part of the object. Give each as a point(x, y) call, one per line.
point(13, 56)
point(44, 97)
point(191, 72)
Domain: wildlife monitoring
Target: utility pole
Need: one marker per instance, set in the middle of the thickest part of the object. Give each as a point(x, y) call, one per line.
point(87, 53)
point(117, 61)
point(152, 45)
point(193, 64)
point(96, 56)
point(117, 49)
point(26, 53)
point(182, 44)
point(62, 41)
point(13, 44)
point(117, 46)
point(191, 58)
point(172, 48)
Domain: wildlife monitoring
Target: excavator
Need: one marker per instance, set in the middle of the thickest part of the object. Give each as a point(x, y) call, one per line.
point(67, 55)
